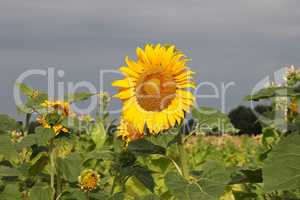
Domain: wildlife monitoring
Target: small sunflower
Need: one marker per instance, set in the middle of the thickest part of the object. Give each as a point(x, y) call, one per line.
point(16, 136)
point(127, 132)
point(88, 180)
point(56, 112)
point(61, 106)
point(155, 88)
point(293, 107)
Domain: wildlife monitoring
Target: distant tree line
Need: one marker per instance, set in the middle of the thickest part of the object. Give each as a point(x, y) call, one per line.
point(245, 119)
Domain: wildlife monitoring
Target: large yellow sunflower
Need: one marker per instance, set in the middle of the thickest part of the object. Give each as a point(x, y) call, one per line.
point(155, 88)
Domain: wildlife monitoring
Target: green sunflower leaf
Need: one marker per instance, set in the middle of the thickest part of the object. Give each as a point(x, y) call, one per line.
point(143, 146)
point(43, 135)
point(41, 192)
point(11, 192)
point(281, 170)
point(7, 148)
point(7, 123)
point(80, 96)
point(70, 166)
point(211, 185)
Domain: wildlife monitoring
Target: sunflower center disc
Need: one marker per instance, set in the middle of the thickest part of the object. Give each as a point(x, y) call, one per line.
point(152, 87)
point(156, 91)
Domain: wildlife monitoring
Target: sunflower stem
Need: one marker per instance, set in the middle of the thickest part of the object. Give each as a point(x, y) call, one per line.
point(52, 164)
point(58, 183)
point(182, 155)
point(87, 195)
point(113, 185)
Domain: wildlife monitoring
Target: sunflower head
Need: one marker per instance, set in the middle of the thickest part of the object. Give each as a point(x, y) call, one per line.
point(58, 106)
point(127, 132)
point(56, 112)
point(155, 88)
point(293, 109)
point(88, 180)
point(293, 106)
point(16, 136)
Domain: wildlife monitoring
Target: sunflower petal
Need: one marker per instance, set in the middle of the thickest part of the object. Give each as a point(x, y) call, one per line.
point(171, 120)
point(129, 72)
point(186, 85)
point(125, 94)
point(134, 66)
point(185, 94)
point(141, 55)
point(184, 74)
point(124, 83)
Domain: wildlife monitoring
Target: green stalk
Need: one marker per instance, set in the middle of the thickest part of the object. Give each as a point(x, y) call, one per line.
point(58, 183)
point(113, 185)
point(52, 164)
point(182, 155)
point(27, 123)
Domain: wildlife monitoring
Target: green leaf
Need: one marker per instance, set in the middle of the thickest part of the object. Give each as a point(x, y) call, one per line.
point(70, 166)
point(25, 89)
point(143, 146)
point(126, 159)
point(34, 98)
point(244, 195)
point(214, 179)
point(98, 135)
point(210, 186)
point(80, 96)
point(11, 192)
point(247, 176)
point(181, 188)
point(270, 137)
point(177, 185)
point(98, 195)
point(38, 163)
point(7, 149)
point(73, 194)
point(100, 155)
point(117, 196)
point(63, 146)
point(212, 120)
point(164, 140)
point(281, 170)
point(266, 93)
point(43, 136)
point(27, 141)
point(144, 176)
point(39, 192)
point(148, 197)
point(7, 123)
point(72, 123)
point(8, 171)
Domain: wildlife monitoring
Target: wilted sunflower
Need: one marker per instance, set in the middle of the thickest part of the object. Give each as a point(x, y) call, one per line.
point(127, 132)
point(154, 90)
point(88, 180)
point(56, 112)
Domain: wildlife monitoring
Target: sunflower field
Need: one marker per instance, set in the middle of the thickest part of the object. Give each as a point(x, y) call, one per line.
point(162, 146)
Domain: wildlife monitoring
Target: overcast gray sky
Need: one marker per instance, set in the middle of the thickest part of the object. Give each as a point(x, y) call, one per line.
point(234, 40)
